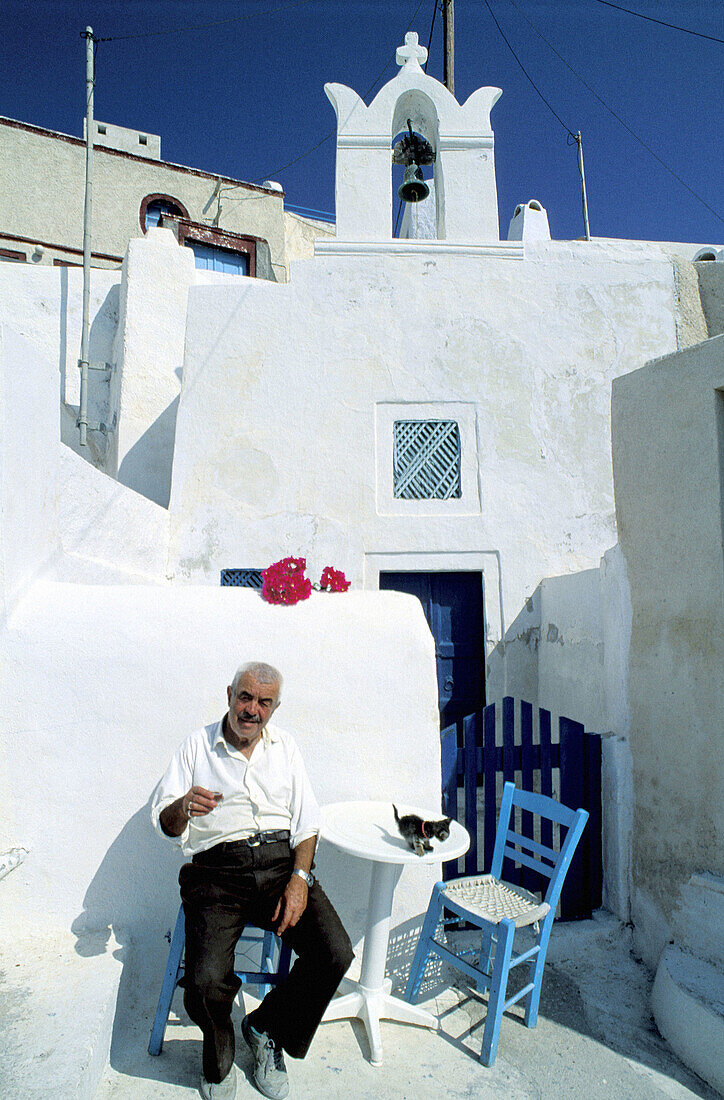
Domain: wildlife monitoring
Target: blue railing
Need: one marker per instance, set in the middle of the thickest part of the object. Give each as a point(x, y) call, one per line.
point(514, 741)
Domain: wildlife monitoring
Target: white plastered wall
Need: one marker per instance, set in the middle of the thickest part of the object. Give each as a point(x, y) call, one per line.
point(107, 666)
point(149, 352)
point(298, 382)
point(668, 442)
point(120, 709)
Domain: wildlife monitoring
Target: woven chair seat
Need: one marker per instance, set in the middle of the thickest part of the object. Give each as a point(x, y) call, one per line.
point(492, 899)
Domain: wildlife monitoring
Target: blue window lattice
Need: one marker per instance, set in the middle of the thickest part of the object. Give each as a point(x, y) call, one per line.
point(242, 578)
point(426, 460)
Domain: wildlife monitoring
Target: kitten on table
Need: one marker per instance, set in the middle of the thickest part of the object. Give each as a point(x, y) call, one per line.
point(418, 832)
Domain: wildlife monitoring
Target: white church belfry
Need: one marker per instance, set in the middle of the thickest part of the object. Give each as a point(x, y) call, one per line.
point(463, 188)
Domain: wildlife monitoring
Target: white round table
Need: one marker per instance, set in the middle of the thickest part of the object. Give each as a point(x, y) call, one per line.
point(368, 830)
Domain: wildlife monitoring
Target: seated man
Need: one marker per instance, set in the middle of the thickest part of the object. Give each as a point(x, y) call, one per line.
point(237, 799)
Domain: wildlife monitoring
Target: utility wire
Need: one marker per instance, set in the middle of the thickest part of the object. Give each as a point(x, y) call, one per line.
point(278, 171)
point(207, 26)
point(429, 41)
point(332, 132)
point(526, 73)
point(661, 22)
point(611, 112)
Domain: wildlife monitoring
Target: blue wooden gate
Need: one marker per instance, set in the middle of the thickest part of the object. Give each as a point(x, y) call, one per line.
point(515, 741)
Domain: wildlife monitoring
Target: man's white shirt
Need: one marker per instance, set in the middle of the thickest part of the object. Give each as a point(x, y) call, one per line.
point(270, 790)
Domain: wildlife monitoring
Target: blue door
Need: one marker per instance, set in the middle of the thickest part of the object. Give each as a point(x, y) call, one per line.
point(453, 606)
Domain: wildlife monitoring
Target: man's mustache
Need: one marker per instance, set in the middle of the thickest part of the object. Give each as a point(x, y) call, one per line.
point(250, 718)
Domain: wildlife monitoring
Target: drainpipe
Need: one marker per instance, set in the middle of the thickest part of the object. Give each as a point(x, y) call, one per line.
point(87, 211)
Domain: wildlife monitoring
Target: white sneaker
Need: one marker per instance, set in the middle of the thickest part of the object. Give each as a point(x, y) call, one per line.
point(270, 1072)
point(221, 1090)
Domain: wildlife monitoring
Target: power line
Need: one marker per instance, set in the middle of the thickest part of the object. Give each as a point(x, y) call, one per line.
point(332, 132)
point(278, 171)
point(661, 22)
point(429, 41)
point(613, 113)
point(526, 73)
point(207, 26)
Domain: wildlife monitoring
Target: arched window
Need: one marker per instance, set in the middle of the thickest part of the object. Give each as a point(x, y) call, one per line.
point(154, 206)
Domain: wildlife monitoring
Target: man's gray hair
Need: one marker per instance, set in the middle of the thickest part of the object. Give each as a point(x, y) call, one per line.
point(264, 673)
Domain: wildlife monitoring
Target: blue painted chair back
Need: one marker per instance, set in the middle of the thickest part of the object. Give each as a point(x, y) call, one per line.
point(537, 857)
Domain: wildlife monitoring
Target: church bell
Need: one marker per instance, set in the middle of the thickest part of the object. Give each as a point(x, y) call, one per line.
point(413, 187)
point(413, 150)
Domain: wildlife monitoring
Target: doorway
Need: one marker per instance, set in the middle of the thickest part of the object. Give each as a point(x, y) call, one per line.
point(453, 606)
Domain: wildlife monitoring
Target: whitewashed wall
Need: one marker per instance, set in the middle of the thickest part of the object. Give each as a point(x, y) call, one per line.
point(106, 667)
point(88, 729)
point(283, 446)
point(668, 443)
point(284, 425)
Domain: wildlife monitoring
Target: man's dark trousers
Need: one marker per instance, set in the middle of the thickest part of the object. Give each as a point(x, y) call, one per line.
point(224, 889)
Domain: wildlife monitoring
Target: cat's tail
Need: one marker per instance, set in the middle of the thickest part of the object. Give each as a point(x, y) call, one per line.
point(397, 816)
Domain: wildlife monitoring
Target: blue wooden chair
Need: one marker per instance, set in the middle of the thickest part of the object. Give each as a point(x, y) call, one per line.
point(269, 974)
point(498, 908)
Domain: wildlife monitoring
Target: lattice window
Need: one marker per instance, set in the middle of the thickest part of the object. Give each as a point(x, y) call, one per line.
point(426, 462)
point(242, 578)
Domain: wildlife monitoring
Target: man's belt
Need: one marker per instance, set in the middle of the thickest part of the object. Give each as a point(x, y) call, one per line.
point(229, 847)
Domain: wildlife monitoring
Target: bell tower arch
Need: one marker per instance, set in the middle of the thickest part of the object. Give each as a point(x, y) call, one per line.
point(461, 137)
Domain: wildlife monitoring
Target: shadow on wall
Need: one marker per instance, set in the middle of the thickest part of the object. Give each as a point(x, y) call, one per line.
point(138, 862)
point(552, 654)
point(512, 666)
point(147, 466)
point(711, 292)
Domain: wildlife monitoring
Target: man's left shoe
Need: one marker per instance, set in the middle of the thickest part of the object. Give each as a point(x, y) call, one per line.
point(220, 1090)
point(270, 1072)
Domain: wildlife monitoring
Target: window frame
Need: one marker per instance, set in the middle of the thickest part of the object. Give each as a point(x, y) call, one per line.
point(158, 197)
point(217, 238)
point(469, 503)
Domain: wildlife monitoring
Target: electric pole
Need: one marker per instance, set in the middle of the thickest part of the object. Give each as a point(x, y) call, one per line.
point(579, 143)
point(87, 211)
point(448, 11)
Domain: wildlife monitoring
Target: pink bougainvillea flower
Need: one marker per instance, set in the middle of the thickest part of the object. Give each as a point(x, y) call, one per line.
point(333, 580)
point(284, 581)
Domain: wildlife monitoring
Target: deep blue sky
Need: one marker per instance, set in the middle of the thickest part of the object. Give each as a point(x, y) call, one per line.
point(244, 98)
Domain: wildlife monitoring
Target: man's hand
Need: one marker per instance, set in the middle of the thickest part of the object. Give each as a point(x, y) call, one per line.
point(195, 803)
point(293, 901)
point(198, 801)
point(291, 904)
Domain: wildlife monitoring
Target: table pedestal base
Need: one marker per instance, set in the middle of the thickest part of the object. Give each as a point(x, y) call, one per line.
point(372, 1005)
point(371, 999)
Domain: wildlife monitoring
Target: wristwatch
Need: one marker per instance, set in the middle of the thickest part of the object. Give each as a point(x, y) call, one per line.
point(309, 879)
